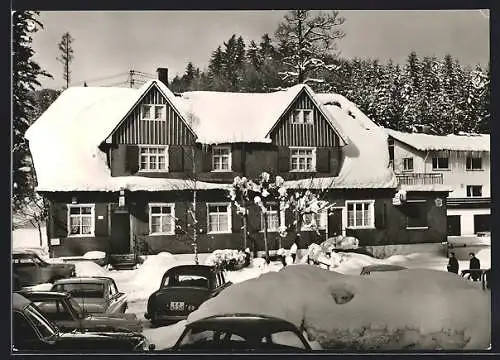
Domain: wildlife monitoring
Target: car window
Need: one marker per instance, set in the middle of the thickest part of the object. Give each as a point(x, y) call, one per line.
point(44, 327)
point(22, 330)
point(111, 290)
point(186, 280)
point(223, 280)
point(287, 338)
point(54, 309)
point(82, 290)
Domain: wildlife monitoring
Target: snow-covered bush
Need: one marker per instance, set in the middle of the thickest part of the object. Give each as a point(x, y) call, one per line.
point(339, 242)
point(227, 259)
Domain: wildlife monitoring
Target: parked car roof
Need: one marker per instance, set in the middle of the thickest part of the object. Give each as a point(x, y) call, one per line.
point(43, 294)
point(84, 279)
point(381, 267)
point(188, 268)
point(269, 322)
point(19, 302)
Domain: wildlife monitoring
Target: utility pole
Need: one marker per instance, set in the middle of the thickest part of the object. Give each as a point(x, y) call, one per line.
point(131, 81)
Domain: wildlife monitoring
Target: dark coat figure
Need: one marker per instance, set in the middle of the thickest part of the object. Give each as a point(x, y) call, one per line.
point(453, 264)
point(474, 264)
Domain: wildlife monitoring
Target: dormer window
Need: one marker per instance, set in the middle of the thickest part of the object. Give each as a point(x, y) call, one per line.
point(221, 158)
point(153, 112)
point(302, 116)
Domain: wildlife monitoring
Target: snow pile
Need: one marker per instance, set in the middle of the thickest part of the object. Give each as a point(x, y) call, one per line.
point(94, 255)
point(339, 242)
point(88, 268)
point(165, 337)
point(415, 309)
point(29, 238)
point(226, 258)
point(426, 142)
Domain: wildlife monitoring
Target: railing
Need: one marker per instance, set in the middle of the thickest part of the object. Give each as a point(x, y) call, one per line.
point(419, 179)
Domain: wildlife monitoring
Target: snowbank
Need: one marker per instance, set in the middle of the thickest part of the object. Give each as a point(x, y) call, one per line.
point(416, 309)
point(165, 337)
point(29, 238)
point(88, 268)
point(94, 255)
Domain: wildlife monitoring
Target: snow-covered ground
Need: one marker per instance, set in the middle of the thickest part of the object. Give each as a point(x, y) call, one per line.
point(413, 309)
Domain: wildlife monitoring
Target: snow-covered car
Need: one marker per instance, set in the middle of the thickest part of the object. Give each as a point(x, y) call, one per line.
point(64, 311)
point(367, 270)
point(33, 333)
point(94, 294)
point(182, 290)
point(241, 332)
point(29, 269)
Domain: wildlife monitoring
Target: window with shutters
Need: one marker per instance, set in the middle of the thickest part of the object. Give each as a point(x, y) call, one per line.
point(221, 158)
point(360, 214)
point(303, 159)
point(219, 217)
point(153, 112)
point(161, 219)
point(81, 219)
point(153, 158)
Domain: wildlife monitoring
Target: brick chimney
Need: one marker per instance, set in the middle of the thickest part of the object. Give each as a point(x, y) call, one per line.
point(163, 75)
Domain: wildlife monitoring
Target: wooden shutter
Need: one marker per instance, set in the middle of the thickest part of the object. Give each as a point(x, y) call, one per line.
point(201, 216)
point(322, 160)
point(181, 215)
point(283, 159)
point(206, 160)
point(60, 220)
point(175, 158)
point(101, 225)
point(380, 214)
point(237, 160)
point(132, 158)
point(335, 158)
point(237, 221)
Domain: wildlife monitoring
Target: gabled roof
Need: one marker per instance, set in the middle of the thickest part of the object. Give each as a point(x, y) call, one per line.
point(426, 142)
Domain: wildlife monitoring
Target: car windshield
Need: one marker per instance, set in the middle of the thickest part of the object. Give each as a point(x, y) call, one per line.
point(186, 280)
point(242, 339)
point(82, 290)
point(45, 327)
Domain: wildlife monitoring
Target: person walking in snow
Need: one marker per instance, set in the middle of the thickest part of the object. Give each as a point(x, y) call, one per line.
point(293, 251)
point(474, 266)
point(453, 264)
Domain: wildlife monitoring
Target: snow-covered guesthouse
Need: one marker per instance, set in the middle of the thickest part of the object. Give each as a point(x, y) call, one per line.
point(119, 166)
point(461, 162)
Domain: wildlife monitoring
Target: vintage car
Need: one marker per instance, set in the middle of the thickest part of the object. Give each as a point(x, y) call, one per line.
point(33, 333)
point(29, 269)
point(64, 311)
point(367, 270)
point(94, 294)
point(182, 290)
point(241, 332)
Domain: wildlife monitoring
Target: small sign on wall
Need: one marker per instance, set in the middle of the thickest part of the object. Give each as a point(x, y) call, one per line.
point(55, 242)
point(438, 202)
point(100, 217)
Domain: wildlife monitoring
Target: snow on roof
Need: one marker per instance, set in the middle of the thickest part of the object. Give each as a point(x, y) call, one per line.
point(426, 142)
point(366, 156)
point(226, 117)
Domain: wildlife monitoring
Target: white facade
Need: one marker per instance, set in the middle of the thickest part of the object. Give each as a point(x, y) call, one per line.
point(468, 173)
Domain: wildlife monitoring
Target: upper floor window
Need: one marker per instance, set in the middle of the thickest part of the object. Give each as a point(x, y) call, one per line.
point(221, 158)
point(302, 159)
point(473, 163)
point(153, 158)
point(313, 221)
point(416, 214)
point(408, 164)
point(302, 116)
point(219, 217)
point(474, 190)
point(81, 219)
point(440, 163)
point(153, 112)
point(360, 214)
point(273, 218)
point(161, 219)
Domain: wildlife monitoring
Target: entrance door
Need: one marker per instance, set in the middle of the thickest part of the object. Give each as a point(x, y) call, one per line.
point(120, 233)
point(453, 225)
point(335, 223)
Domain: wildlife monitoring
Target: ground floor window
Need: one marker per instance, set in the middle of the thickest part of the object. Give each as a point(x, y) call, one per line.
point(416, 214)
point(314, 221)
point(161, 219)
point(81, 219)
point(273, 218)
point(454, 225)
point(219, 217)
point(481, 223)
point(360, 214)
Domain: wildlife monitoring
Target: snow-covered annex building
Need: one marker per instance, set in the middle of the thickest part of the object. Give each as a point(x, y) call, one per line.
point(461, 162)
point(117, 166)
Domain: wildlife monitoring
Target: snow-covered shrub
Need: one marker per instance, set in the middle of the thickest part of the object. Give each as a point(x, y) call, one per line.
point(340, 242)
point(227, 259)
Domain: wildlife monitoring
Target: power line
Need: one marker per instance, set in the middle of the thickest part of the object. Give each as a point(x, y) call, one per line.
point(100, 78)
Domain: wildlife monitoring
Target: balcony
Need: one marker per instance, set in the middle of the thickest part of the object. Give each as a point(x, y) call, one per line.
point(419, 179)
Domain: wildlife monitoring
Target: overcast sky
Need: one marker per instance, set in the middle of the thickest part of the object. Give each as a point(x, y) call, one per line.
point(110, 43)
